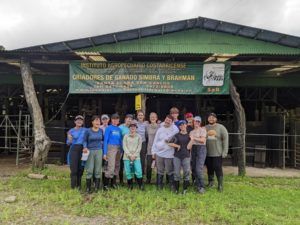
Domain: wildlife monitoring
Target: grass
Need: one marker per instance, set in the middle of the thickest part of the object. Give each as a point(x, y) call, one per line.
point(244, 201)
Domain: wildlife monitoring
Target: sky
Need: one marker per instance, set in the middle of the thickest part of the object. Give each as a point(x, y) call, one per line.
point(34, 22)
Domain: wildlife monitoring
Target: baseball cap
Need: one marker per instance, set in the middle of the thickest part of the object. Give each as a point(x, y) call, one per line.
point(129, 116)
point(197, 118)
point(188, 115)
point(133, 124)
point(79, 117)
point(104, 117)
point(181, 122)
point(115, 116)
point(212, 114)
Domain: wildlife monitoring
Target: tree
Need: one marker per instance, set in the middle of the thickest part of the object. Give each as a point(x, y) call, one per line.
point(42, 142)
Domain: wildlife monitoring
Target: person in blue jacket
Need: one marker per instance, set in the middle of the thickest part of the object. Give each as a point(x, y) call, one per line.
point(93, 143)
point(75, 138)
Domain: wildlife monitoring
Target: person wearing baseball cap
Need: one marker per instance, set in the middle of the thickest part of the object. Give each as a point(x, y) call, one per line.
point(75, 139)
point(189, 118)
point(132, 145)
point(217, 149)
point(198, 147)
point(112, 151)
point(104, 122)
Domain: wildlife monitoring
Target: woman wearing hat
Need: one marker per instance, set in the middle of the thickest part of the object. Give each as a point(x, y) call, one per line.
point(93, 143)
point(75, 138)
point(132, 145)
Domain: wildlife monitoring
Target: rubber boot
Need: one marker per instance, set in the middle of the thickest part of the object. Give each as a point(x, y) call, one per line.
point(186, 183)
point(159, 181)
point(176, 186)
point(88, 186)
point(140, 183)
point(79, 182)
point(220, 184)
point(113, 183)
point(73, 182)
point(210, 181)
point(171, 182)
point(105, 183)
point(97, 184)
point(130, 184)
point(148, 175)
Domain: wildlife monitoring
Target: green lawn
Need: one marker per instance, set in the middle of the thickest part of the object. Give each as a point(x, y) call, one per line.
point(244, 201)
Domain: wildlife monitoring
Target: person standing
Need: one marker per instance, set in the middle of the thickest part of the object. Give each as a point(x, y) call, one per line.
point(124, 130)
point(189, 118)
point(93, 143)
point(163, 153)
point(104, 122)
point(197, 144)
point(151, 130)
point(132, 145)
point(217, 149)
point(112, 151)
point(141, 130)
point(174, 112)
point(75, 138)
point(181, 156)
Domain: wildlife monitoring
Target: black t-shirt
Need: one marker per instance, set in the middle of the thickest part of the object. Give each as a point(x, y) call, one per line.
point(189, 129)
point(182, 140)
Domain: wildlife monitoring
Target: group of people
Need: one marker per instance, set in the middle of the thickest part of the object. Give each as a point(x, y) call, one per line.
point(108, 149)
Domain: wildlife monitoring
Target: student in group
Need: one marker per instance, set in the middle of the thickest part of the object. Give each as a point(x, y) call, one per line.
point(75, 138)
point(132, 144)
point(198, 146)
point(151, 130)
point(93, 143)
point(112, 151)
point(181, 156)
point(163, 153)
point(124, 130)
point(189, 118)
point(141, 130)
point(174, 112)
point(104, 122)
point(217, 149)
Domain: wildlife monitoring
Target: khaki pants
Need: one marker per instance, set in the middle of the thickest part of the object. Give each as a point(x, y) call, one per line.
point(113, 159)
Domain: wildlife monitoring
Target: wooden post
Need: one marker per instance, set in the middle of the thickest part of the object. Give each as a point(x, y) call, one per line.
point(144, 98)
point(241, 128)
point(42, 142)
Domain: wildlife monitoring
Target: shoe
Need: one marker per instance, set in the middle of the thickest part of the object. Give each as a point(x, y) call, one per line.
point(97, 184)
point(201, 190)
point(186, 183)
point(220, 184)
point(159, 181)
point(88, 186)
point(130, 184)
point(211, 182)
point(140, 183)
point(105, 183)
point(176, 186)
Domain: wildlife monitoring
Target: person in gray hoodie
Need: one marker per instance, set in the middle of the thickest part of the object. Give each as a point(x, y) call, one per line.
point(163, 153)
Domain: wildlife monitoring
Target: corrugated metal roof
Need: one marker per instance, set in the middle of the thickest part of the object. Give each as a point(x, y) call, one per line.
point(196, 41)
point(158, 33)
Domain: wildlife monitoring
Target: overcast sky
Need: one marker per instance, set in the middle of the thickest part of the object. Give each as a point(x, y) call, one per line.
point(34, 22)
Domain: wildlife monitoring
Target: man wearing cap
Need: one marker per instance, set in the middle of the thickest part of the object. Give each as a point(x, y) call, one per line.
point(217, 148)
point(163, 153)
point(104, 122)
point(181, 156)
point(132, 145)
point(75, 138)
point(124, 130)
point(197, 144)
point(112, 151)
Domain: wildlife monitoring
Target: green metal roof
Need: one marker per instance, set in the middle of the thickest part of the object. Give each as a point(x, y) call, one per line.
point(195, 41)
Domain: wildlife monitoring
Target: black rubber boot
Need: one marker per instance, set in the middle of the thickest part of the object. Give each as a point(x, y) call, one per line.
point(88, 186)
point(140, 183)
point(130, 184)
point(148, 176)
point(176, 187)
point(167, 179)
point(186, 184)
point(73, 182)
point(171, 182)
point(105, 183)
point(159, 181)
point(210, 181)
point(97, 184)
point(220, 184)
point(113, 183)
point(79, 182)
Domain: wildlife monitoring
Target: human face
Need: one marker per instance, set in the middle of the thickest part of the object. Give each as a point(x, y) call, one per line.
point(105, 121)
point(96, 123)
point(78, 123)
point(197, 124)
point(183, 127)
point(128, 121)
point(132, 129)
point(168, 122)
point(212, 120)
point(153, 118)
point(115, 121)
point(175, 115)
point(140, 116)
point(189, 120)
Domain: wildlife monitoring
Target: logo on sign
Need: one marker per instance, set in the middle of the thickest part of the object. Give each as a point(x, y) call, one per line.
point(213, 74)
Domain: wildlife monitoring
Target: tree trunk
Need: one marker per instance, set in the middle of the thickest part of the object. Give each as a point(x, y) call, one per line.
point(42, 142)
point(241, 128)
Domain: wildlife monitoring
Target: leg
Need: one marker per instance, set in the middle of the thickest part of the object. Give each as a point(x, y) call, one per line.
point(186, 165)
point(177, 168)
point(117, 168)
point(143, 154)
point(149, 168)
point(73, 165)
point(80, 169)
point(169, 167)
point(121, 173)
point(111, 161)
point(90, 170)
point(210, 171)
point(160, 172)
point(219, 172)
point(98, 168)
point(138, 173)
point(193, 164)
point(200, 159)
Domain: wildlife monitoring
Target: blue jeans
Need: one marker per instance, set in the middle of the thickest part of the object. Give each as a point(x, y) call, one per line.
point(200, 155)
point(133, 167)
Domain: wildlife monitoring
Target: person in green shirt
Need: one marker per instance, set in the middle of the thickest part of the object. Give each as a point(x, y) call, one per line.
point(217, 149)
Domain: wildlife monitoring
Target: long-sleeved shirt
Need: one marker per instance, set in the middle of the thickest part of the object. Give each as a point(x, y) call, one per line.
point(103, 128)
point(217, 140)
point(93, 140)
point(160, 146)
point(132, 145)
point(141, 129)
point(112, 136)
point(77, 136)
point(124, 129)
point(151, 130)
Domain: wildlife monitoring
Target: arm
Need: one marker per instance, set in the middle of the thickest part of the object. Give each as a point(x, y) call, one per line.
point(154, 148)
point(69, 137)
point(225, 141)
point(125, 146)
point(139, 147)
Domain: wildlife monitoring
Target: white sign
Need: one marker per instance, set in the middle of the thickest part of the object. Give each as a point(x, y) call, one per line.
point(213, 74)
